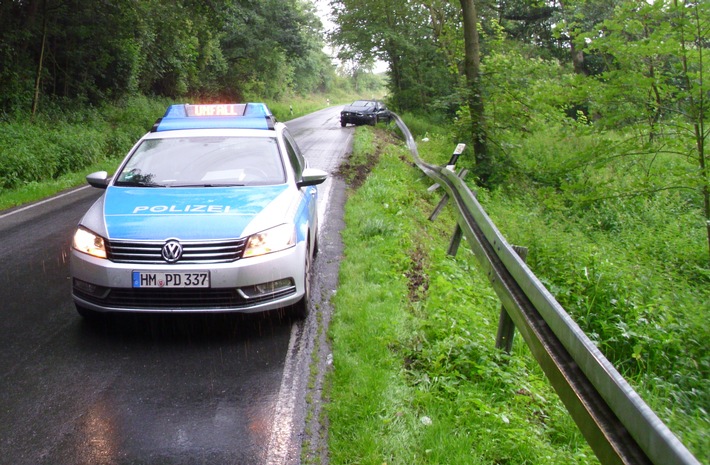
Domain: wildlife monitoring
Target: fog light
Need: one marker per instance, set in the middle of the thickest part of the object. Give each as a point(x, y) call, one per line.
point(90, 289)
point(263, 289)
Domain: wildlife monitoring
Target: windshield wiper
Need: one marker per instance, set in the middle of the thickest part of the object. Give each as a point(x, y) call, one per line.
point(137, 184)
point(207, 184)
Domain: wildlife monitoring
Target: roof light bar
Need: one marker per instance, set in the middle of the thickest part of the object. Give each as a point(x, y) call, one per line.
point(216, 116)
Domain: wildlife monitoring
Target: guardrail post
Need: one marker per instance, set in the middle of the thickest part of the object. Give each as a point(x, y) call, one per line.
point(455, 156)
point(439, 207)
point(462, 174)
point(506, 327)
point(455, 241)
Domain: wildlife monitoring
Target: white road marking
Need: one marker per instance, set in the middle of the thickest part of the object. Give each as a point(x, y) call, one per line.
point(281, 440)
point(37, 204)
point(283, 443)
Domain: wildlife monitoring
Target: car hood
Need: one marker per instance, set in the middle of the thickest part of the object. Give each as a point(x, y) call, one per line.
point(353, 109)
point(188, 213)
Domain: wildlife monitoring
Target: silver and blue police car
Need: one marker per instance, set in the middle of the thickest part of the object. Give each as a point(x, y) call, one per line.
point(214, 210)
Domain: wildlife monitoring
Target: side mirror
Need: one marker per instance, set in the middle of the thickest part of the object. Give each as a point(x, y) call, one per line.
point(312, 177)
point(99, 179)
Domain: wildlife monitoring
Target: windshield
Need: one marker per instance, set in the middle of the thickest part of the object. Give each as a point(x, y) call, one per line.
point(363, 103)
point(204, 162)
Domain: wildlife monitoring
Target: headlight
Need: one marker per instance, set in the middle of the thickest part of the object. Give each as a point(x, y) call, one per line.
point(272, 240)
point(89, 243)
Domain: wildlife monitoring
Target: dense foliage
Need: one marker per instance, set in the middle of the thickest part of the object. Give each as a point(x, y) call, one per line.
point(399, 33)
point(72, 71)
point(58, 142)
point(596, 116)
point(627, 70)
point(91, 52)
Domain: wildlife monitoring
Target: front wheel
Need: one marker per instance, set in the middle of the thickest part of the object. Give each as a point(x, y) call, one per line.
point(343, 124)
point(301, 308)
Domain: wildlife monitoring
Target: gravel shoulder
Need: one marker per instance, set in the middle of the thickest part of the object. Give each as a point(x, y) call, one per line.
point(327, 264)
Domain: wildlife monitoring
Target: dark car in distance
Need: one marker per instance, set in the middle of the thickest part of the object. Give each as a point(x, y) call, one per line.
point(365, 112)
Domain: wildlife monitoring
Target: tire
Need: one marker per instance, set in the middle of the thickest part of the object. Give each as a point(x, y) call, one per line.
point(301, 308)
point(343, 124)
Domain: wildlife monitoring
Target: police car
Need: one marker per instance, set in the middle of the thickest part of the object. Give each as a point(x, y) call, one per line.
point(214, 210)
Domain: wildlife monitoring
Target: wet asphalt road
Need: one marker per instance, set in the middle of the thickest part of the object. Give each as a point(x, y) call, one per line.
point(137, 389)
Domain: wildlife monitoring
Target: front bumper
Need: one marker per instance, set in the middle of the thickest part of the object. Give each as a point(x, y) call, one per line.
point(356, 118)
point(254, 284)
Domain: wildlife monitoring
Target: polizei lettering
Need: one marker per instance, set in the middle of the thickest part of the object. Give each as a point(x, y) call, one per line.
point(183, 209)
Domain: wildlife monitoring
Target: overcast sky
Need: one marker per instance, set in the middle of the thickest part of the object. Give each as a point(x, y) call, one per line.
point(323, 9)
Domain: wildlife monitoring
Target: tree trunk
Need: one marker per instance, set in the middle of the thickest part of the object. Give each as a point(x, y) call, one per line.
point(38, 80)
point(472, 68)
point(576, 55)
point(577, 59)
point(704, 172)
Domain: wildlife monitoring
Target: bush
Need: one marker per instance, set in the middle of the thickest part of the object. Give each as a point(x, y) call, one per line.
point(625, 258)
point(636, 283)
point(60, 141)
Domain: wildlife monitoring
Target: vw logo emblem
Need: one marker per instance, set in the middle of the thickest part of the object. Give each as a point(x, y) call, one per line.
point(172, 251)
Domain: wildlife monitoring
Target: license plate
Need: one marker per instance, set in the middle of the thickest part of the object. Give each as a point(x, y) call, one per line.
point(181, 279)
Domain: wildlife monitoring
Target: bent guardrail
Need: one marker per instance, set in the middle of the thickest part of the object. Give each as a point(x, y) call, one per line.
point(618, 425)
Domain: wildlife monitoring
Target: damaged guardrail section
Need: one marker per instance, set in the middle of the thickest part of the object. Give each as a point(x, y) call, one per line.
point(619, 426)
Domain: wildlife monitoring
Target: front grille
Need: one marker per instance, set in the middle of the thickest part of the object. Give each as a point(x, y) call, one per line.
point(192, 252)
point(183, 299)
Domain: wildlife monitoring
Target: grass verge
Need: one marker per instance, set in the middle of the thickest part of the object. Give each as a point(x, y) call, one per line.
point(416, 377)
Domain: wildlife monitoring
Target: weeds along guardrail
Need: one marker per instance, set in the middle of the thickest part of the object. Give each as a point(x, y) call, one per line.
point(618, 425)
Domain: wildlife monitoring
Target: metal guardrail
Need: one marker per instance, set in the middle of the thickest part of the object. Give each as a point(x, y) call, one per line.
point(618, 425)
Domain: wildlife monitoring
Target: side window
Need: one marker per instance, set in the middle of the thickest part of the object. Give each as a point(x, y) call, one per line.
point(294, 155)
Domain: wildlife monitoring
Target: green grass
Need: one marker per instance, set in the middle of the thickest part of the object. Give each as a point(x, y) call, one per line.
point(625, 255)
point(300, 106)
point(416, 377)
point(33, 191)
point(55, 151)
point(639, 292)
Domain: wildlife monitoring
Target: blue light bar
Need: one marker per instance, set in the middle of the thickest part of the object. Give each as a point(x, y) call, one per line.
point(216, 116)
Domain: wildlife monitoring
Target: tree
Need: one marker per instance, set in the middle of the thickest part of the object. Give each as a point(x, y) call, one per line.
point(655, 77)
point(693, 29)
point(472, 67)
point(91, 52)
point(367, 30)
point(399, 33)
